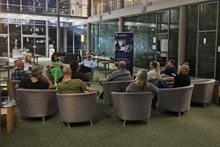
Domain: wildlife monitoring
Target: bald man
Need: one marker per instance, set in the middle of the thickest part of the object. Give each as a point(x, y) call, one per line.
point(19, 73)
point(180, 80)
point(121, 74)
point(69, 85)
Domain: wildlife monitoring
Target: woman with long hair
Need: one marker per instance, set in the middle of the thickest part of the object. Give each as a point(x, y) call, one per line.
point(141, 84)
point(55, 68)
point(154, 72)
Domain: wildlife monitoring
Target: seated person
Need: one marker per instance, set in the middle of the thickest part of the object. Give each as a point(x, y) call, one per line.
point(87, 64)
point(141, 84)
point(180, 80)
point(55, 68)
point(69, 85)
point(154, 72)
point(36, 81)
point(118, 75)
point(170, 69)
point(121, 74)
point(19, 73)
point(27, 62)
point(76, 74)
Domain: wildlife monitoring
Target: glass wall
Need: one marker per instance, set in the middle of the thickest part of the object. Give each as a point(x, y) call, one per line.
point(67, 7)
point(107, 37)
point(144, 29)
point(201, 42)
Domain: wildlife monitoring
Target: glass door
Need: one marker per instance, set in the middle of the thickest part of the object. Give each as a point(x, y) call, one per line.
point(207, 40)
point(206, 54)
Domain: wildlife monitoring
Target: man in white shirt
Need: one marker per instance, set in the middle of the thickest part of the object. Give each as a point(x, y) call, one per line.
point(87, 64)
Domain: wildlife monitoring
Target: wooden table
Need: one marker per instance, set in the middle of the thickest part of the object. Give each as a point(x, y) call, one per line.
point(10, 118)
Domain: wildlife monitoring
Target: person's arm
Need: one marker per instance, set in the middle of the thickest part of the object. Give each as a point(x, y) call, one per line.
point(168, 79)
point(153, 88)
point(46, 79)
point(94, 64)
point(90, 89)
point(81, 63)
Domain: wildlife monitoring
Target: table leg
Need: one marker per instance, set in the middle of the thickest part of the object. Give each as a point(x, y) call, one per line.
point(10, 119)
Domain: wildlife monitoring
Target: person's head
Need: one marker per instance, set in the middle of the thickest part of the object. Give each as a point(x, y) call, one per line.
point(141, 78)
point(19, 64)
point(74, 66)
point(37, 71)
point(121, 65)
point(89, 56)
point(153, 64)
point(54, 58)
point(184, 69)
point(171, 63)
point(67, 72)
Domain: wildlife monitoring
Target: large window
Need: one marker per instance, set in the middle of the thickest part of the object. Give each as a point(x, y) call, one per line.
point(144, 29)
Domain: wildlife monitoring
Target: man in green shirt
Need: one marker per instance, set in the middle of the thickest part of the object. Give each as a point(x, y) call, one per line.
point(69, 85)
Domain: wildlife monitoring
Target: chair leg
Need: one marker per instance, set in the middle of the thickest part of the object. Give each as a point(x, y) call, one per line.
point(43, 118)
point(179, 114)
point(68, 124)
point(124, 123)
point(204, 105)
point(91, 123)
point(147, 121)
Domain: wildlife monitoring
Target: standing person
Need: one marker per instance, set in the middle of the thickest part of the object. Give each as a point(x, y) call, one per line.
point(121, 74)
point(69, 85)
point(180, 80)
point(36, 81)
point(154, 72)
point(141, 84)
point(170, 69)
point(55, 67)
point(87, 64)
point(19, 73)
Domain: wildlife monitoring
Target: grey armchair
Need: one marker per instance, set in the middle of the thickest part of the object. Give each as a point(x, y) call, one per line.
point(89, 75)
point(113, 86)
point(202, 92)
point(79, 107)
point(36, 102)
point(132, 106)
point(175, 99)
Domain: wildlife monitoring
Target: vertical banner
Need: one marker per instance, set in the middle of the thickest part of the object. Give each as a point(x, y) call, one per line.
point(124, 49)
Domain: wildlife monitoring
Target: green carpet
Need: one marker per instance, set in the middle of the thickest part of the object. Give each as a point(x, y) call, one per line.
point(198, 127)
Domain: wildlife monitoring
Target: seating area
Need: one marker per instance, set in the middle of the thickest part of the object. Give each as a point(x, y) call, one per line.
point(133, 111)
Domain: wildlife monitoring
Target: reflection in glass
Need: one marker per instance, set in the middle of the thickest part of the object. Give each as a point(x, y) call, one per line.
point(39, 6)
point(191, 37)
point(163, 22)
point(3, 5)
point(3, 28)
point(3, 46)
point(52, 6)
point(206, 54)
point(14, 5)
point(207, 16)
point(27, 5)
point(15, 36)
point(144, 29)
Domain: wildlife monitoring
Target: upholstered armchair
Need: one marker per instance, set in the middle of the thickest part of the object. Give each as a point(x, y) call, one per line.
point(202, 92)
point(78, 107)
point(36, 102)
point(113, 86)
point(175, 99)
point(132, 106)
